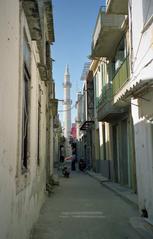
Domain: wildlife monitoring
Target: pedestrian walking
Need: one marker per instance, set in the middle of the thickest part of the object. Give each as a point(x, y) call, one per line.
point(61, 154)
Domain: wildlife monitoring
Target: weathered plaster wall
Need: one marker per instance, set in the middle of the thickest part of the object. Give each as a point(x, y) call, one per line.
point(143, 113)
point(9, 83)
point(144, 157)
point(142, 40)
point(21, 195)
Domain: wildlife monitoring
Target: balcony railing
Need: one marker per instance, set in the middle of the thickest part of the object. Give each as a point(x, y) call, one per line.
point(121, 76)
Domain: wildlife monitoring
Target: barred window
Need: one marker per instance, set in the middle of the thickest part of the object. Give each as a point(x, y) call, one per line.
point(25, 105)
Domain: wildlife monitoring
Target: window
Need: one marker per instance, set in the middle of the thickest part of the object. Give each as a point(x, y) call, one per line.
point(39, 129)
point(120, 54)
point(104, 141)
point(103, 75)
point(25, 105)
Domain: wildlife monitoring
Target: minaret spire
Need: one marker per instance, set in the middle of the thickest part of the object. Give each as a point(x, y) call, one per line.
point(67, 109)
point(67, 70)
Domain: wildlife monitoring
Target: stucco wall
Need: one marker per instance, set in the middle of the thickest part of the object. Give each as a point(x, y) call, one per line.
point(143, 113)
point(9, 83)
point(21, 195)
point(142, 40)
point(144, 156)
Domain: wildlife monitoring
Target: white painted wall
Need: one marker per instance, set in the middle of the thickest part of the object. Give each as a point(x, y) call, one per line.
point(21, 195)
point(143, 113)
point(142, 38)
point(9, 72)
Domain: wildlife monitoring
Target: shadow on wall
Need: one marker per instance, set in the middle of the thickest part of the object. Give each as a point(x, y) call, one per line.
point(103, 165)
point(145, 106)
point(144, 164)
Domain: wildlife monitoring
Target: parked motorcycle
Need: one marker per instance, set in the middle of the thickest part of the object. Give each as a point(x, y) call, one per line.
point(66, 167)
point(82, 165)
point(65, 172)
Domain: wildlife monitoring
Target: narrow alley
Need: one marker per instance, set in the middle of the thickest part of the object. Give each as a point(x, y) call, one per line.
point(76, 93)
point(81, 208)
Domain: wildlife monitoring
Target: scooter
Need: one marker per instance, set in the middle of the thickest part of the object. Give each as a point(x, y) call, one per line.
point(66, 168)
point(65, 172)
point(82, 165)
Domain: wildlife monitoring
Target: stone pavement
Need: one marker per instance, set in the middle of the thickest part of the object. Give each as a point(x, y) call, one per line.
point(143, 225)
point(123, 192)
point(81, 208)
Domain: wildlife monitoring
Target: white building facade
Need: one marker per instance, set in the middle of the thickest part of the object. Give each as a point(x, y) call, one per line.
point(142, 99)
point(140, 90)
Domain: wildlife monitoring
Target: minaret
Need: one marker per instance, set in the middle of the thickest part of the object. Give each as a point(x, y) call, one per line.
point(67, 108)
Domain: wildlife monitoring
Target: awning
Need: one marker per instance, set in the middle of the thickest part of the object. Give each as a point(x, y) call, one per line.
point(86, 125)
point(136, 89)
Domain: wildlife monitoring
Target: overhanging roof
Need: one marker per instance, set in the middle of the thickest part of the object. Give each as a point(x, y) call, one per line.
point(86, 125)
point(31, 10)
point(50, 23)
point(117, 6)
point(107, 33)
point(107, 43)
point(136, 89)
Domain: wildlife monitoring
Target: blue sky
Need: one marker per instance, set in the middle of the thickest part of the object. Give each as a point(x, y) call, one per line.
point(74, 23)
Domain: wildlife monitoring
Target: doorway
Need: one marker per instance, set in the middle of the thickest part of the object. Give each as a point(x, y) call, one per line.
point(115, 153)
